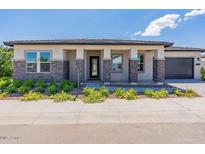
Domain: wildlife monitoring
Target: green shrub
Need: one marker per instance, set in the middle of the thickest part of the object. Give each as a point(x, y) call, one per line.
point(163, 93)
point(119, 92)
point(28, 83)
point(3, 95)
point(32, 96)
point(23, 89)
point(39, 89)
point(53, 88)
point(4, 82)
point(17, 83)
point(40, 83)
point(66, 86)
point(190, 93)
point(88, 91)
point(10, 89)
point(178, 92)
point(130, 94)
point(62, 97)
point(203, 73)
point(94, 97)
point(104, 91)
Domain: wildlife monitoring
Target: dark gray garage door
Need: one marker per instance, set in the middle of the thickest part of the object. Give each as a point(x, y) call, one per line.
point(179, 68)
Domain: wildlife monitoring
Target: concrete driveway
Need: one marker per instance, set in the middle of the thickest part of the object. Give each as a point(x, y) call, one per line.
point(197, 85)
point(176, 110)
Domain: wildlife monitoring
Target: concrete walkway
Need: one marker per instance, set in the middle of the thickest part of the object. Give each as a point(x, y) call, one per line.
point(171, 110)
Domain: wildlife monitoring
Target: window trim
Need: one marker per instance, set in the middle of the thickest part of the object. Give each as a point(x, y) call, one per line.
point(112, 62)
point(143, 54)
point(38, 60)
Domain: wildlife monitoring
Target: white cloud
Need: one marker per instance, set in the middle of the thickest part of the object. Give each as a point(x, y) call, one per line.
point(194, 13)
point(136, 34)
point(156, 26)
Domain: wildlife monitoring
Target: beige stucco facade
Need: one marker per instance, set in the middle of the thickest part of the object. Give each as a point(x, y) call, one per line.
point(72, 52)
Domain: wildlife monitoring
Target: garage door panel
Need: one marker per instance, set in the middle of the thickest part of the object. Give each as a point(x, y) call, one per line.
point(179, 68)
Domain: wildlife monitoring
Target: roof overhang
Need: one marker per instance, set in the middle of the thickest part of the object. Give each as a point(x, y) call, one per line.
point(87, 42)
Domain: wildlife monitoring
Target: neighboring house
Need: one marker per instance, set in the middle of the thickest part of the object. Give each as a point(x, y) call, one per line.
point(107, 60)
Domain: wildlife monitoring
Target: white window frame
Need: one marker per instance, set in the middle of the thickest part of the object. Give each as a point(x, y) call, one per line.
point(38, 60)
point(119, 54)
point(139, 63)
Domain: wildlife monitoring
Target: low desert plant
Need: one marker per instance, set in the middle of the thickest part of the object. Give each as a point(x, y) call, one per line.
point(130, 94)
point(32, 96)
point(191, 93)
point(94, 97)
point(4, 82)
point(23, 89)
point(88, 91)
point(10, 89)
point(203, 73)
point(104, 91)
point(53, 88)
point(62, 97)
point(66, 86)
point(119, 92)
point(3, 95)
point(17, 83)
point(178, 92)
point(163, 93)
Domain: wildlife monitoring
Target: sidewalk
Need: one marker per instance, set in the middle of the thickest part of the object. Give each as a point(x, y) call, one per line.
point(171, 110)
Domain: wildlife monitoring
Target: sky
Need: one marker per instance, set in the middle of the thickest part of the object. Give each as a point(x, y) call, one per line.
point(184, 27)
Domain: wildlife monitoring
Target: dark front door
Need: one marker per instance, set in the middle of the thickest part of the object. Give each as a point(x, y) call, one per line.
point(94, 66)
point(179, 68)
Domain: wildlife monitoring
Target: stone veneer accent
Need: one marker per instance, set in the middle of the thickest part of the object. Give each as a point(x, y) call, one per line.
point(158, 70)
point(133, 70)
point(80, 63)
point(106, 70)
point(59, 71)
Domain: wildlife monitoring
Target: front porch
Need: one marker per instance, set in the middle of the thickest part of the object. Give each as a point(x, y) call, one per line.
point(117, 66)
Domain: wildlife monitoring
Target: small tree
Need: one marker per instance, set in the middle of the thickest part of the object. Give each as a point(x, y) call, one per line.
point(6, 68)
point(203, 73)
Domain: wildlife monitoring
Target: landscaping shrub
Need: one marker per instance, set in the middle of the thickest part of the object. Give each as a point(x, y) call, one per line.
point(66, 86)
point(62, 97)
point(40, 83)
point(28, 83)
point(163, 93)
point(94, 97)
point(3, 95)
point(23, 89)
point(88, 91)
point(17, 83)
point(104, 91)
point(119, 92)
point(52, 88)
point(190, 93)
point(10, 89)
point(4, 82)
point(39, 89)
point(178, 92)
point(32, 96)
point(203, 73)
point(130, 94)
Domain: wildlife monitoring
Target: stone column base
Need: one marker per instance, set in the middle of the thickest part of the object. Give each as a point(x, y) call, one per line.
point(158, 70)
point(80, 65)
point(106, 71)
point(133, 71)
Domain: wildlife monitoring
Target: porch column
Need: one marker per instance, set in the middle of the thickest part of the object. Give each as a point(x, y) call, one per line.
point(107, 66)
point(159, 65)
point(80, 64)
point(133, 66)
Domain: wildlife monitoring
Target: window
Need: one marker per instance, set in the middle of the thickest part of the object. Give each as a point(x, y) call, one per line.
point(140, 62)
point(116, 63)
point(38, 62)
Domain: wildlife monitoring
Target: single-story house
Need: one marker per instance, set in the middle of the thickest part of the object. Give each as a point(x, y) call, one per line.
point(108, 60)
